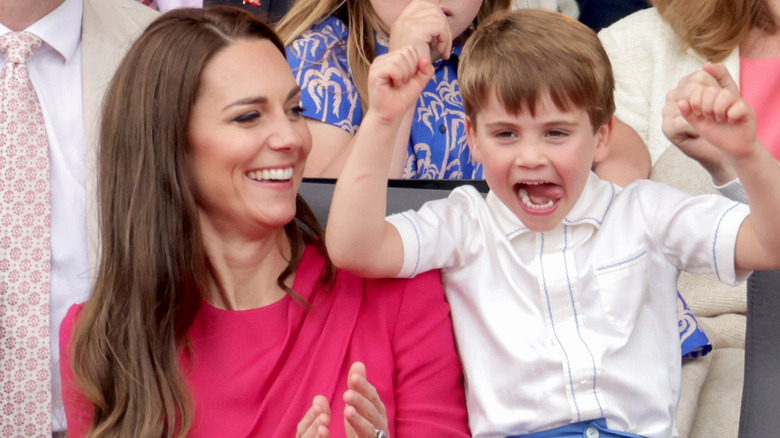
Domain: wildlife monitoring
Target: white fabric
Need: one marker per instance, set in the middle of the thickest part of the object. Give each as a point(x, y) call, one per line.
point(56, 73)
point(167, 5)
point(648, 60)
point(579, 322)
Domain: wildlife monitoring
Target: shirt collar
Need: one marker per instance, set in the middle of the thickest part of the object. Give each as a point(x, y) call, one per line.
point(590, 209)
point(60, 28)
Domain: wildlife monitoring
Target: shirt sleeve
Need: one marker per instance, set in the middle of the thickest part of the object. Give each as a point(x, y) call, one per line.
point(429, 393)
point(78, 409)
point(697, 234)
point(434, 237)
point(318, 60)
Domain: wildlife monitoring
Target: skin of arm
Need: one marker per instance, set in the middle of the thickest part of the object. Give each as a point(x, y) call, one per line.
point(332, 145)
point(628, 158)
point(357, 236)
point(724, 120)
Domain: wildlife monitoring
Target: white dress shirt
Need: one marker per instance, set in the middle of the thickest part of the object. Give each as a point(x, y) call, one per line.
point(579, 322)
point(55, 71)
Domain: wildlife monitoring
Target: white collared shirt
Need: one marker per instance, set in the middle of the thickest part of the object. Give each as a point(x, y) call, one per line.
point(579, 322)
point(55, 71)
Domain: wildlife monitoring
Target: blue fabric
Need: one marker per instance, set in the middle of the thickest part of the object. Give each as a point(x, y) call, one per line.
point(583, 429)
point(693, 341)
point(437, 147)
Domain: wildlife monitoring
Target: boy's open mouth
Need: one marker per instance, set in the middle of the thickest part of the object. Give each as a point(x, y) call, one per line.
point(538, 195)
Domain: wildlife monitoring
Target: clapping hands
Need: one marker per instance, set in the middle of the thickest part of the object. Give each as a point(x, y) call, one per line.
point(364, 414)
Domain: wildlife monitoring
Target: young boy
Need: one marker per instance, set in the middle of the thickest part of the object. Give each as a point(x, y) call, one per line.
point(562, 286)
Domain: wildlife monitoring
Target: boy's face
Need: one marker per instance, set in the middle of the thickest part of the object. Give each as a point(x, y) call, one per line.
point(537, 166)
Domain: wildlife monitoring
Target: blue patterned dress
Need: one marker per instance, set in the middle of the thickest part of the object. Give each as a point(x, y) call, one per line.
point(437, 145)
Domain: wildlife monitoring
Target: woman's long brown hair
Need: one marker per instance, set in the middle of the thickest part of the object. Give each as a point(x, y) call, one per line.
point(153, 271)
point(714, 28)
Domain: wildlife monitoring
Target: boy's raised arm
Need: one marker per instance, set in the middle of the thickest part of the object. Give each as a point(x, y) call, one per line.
point(357, 237)
point(726, 121)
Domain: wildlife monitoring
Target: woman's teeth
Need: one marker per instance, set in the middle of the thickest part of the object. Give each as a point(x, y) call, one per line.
point(271, 174)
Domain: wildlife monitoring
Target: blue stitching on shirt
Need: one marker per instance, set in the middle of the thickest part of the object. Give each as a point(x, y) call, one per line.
point(590, 218)
point(623, 262)
point(715, 240)
point(576, 321)
point(555, 332)
point(417, 236)
point(512, 233)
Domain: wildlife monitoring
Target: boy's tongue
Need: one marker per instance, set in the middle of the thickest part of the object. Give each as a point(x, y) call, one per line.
point(542, 193)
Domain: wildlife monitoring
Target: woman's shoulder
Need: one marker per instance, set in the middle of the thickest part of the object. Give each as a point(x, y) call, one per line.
point(70, 318)
point(643, 29)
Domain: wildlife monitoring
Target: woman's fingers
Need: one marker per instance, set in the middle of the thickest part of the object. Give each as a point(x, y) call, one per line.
point(364, 413)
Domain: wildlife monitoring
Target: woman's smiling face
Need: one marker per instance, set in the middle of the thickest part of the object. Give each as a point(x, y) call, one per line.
point(248, 139)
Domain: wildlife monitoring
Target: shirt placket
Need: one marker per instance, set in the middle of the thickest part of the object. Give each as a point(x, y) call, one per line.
point(558, 287)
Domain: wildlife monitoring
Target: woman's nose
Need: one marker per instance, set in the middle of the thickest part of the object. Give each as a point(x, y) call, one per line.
point(288, 134)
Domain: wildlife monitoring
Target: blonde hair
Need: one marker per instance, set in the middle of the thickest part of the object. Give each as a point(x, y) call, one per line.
point(362, 21)
point(523, 54)
point(153, 268)
point(714, 28)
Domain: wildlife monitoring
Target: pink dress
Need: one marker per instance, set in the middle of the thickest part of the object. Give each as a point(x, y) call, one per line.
point(254, 373)
point(760, 87)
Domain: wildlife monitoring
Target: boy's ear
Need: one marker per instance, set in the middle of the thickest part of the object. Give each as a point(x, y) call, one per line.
point(471, 136)
point(603, 137)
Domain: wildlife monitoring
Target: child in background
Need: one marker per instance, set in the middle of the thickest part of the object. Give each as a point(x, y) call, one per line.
point(562, 285)
point(330, 45)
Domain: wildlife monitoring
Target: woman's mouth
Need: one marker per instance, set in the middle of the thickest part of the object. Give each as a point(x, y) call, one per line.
point(271, 174)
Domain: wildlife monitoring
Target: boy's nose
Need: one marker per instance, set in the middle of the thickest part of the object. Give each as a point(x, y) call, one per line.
point(529, 155)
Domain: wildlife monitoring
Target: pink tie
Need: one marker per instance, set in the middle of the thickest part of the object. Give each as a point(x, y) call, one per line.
point(25, 248)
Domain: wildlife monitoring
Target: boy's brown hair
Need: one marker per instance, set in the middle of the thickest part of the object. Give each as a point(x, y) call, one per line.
point(525, 53)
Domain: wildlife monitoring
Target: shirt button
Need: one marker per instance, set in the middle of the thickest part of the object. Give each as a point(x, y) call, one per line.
point(442, 128)
point(592, 432)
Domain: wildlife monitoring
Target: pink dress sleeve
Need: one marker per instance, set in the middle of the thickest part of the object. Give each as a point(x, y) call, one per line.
point(760, 87)
point(78, 409)
point(429, 393)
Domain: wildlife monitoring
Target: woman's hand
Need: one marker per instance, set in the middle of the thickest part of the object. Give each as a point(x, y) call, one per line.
point(364, 414)
point(423, 26)
point(316, 421)
point(684, 136)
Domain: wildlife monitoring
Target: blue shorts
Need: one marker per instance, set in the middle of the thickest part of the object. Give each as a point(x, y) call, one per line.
point(584, 429)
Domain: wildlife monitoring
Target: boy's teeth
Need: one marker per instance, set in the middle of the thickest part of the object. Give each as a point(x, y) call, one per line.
point(526, 200)
point(271, 174)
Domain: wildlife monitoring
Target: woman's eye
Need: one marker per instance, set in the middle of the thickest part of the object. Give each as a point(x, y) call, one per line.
point(248, 117)
point(296, 111)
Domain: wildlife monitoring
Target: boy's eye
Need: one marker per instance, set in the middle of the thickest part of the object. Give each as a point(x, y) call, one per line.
point(557, 133)
point(505, 134)
point(247, 117)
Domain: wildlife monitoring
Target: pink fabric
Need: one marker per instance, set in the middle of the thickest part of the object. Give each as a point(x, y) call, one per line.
point(760, 87)
point(254, 373)
point(25, 247)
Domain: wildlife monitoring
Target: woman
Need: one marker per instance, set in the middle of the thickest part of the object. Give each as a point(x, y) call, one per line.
point(215, 310)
